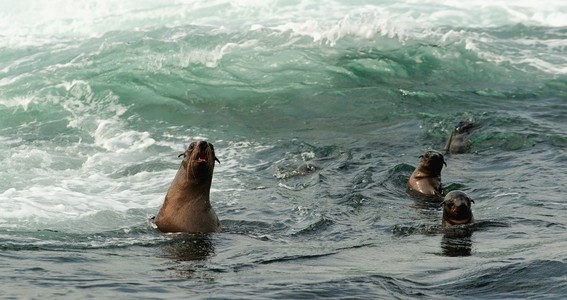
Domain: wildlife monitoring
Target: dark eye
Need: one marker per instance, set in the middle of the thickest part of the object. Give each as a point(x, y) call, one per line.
point(192, 146)
point(450, 204)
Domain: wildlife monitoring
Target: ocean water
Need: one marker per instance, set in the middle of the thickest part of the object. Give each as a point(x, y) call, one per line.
point(97, 99)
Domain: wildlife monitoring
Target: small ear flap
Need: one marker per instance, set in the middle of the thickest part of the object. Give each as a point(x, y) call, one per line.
point(184, 154)
point(213, 149)
point(421, 156)
point(442, 203)
point(472, 201)
point(444, 163)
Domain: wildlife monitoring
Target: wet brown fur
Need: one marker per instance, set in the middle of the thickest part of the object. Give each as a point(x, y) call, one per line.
point(425, 181)
point(187, 206)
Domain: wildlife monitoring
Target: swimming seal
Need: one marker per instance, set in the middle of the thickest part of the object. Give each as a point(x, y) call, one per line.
point(425, 181)
point(457, 209)
point(187, 207)
point(458, 141)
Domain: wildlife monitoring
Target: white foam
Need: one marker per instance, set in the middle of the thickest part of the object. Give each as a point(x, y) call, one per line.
point(43, 195)
point(35, 22)
point(46, 195)
point(111, 136)
point(78, 98)
point(211, 58)
point(23, 101)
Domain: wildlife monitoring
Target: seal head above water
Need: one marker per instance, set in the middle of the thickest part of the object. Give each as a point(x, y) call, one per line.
point(457, 209)
point(425, 181)
point(187, 206)
point(458, 141)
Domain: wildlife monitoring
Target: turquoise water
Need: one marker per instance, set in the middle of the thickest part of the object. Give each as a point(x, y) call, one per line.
point(97, 99)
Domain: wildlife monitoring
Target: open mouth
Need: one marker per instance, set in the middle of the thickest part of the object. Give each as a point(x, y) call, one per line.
point(202, 157)
point(201, 152)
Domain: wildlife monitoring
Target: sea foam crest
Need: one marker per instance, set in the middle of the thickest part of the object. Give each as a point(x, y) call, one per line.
point(110, 136)
point(212, 58)
point(365, 26)
point(78, 98)
point(35, 22)
point(100, 115)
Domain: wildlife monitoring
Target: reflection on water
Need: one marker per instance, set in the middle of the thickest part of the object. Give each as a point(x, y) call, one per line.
point(189, 247)
point(457, 242)
point(188, 254)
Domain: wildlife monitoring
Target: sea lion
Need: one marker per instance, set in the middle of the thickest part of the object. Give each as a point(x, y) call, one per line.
point(457, 209)
point(187, 207)
point(458, 141)
point(425, 181)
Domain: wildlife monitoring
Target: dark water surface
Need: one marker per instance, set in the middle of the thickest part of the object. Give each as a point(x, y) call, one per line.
point(318, 111)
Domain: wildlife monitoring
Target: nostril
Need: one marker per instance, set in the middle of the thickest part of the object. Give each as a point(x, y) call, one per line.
point(202, 143)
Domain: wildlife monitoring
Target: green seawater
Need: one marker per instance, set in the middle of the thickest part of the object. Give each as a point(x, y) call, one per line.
point(318, 111)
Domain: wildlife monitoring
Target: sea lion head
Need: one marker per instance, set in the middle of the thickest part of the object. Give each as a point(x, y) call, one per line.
point(432, 162)
point(199, 160)
point(457, 208)
point(464, 126)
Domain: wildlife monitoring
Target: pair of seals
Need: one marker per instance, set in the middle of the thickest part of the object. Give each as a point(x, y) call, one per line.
point(187, 207)
point(425, 181)
point(457, 204)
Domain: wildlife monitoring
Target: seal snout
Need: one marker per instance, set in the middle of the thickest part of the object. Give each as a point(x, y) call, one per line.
point(458, 207)
point(433, 160)
point(433, 156)
point(201, 152)
point(202, 148)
